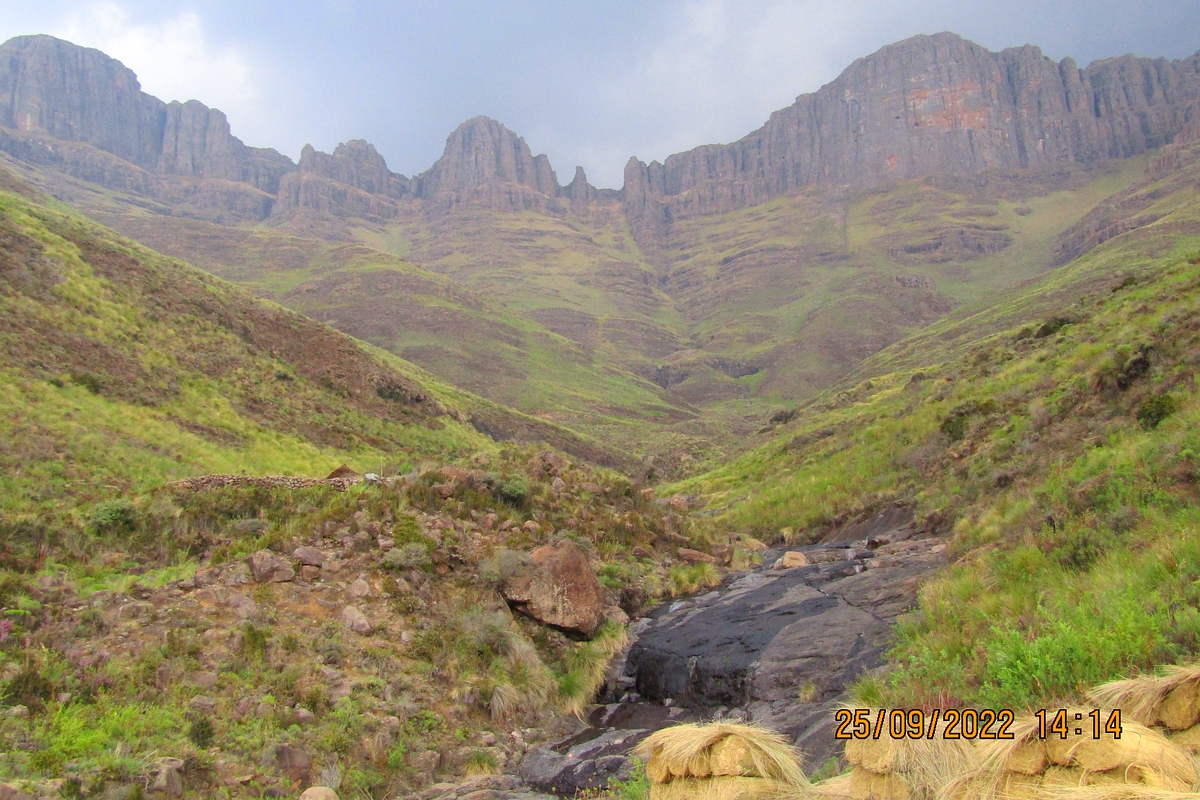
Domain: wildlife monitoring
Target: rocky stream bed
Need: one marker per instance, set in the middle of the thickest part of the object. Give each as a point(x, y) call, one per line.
point(775, 646)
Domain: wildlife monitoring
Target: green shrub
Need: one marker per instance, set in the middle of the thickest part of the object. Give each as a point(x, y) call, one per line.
point(200, 732)
point(113, 518)
point(27, 688)
point(88, 381)
point(1154, 410)
point(254, 642)
point(513, 492)
point(1052, 326)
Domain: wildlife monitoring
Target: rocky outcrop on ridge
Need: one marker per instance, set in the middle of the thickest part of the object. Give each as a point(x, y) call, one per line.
point(925, 105)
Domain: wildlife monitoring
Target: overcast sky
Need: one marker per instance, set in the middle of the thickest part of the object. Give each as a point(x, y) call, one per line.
point(588, 83)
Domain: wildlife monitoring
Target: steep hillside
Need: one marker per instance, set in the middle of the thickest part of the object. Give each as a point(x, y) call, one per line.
point(123, 368)
point(1052, 434)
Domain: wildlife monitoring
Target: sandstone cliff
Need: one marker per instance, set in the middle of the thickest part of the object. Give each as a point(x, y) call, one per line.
point(925, 105)
point(77, 94)
point(487, 164)
point(352, 182)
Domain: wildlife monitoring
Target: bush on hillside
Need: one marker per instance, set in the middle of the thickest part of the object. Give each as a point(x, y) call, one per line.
point(113, 518)
point(1154, 410)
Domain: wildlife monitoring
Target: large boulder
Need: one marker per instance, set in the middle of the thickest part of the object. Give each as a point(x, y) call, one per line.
point(558, 588)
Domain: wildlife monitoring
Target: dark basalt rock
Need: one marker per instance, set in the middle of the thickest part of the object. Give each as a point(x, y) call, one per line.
point(780, 647)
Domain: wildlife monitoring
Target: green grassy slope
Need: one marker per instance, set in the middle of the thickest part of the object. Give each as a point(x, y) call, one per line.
point(1053, 435)
point(560, 314)
point(121, 368)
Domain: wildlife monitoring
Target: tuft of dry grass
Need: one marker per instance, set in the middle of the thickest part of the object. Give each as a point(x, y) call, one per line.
point(1028, 766)
point(720, 750)
point(1171, 699)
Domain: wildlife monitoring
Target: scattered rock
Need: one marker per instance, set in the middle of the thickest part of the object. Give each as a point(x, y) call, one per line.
point(531, 527)
point(319, 793)
point(168, 780)
point(293, 762)
point(590, 488)
point(205, 576)
point(424, 764)
point(267, 566)
point(558, 484)
point(138, 609)
point(309, 556)
point(302, 715)
point(691, 556)
point(9, 793)
point(235, 575)
point(790, 560)
point(310, 573)
point(202, 703)
point(204, 680)
point(355, 620)
point(558, 588)
point(250, 526)
point(358, 590)
point(18, 712)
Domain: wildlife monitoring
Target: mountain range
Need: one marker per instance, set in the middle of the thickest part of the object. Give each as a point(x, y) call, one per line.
point(708, 292)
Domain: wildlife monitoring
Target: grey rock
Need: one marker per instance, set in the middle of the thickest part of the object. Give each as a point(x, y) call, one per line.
point(309, 556)
point(356, 620)
point(572, 766)
point(318, 793)
point(202, 703)
point(358, 589)
point(781, 647)
point(267, 566)
point(294, 762)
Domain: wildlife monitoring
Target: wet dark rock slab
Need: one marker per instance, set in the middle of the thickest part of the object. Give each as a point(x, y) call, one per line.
point(780, 647)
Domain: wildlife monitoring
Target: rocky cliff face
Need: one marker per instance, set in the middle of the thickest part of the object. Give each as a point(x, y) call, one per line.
point(352, 182)
point(925, 105)
point(48, 86)
point(486, 163)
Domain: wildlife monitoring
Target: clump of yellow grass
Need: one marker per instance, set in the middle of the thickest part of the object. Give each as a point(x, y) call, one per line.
point(721, 761)
point(1171, 700)
point(904, 768)
point(1027, 767)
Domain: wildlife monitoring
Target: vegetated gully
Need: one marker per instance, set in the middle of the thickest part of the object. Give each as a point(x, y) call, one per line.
point(773, 646)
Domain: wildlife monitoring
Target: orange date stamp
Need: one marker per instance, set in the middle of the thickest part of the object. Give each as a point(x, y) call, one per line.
point(970, 723)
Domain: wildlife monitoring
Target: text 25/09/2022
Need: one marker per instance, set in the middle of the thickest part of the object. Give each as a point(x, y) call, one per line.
point(971, 723)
